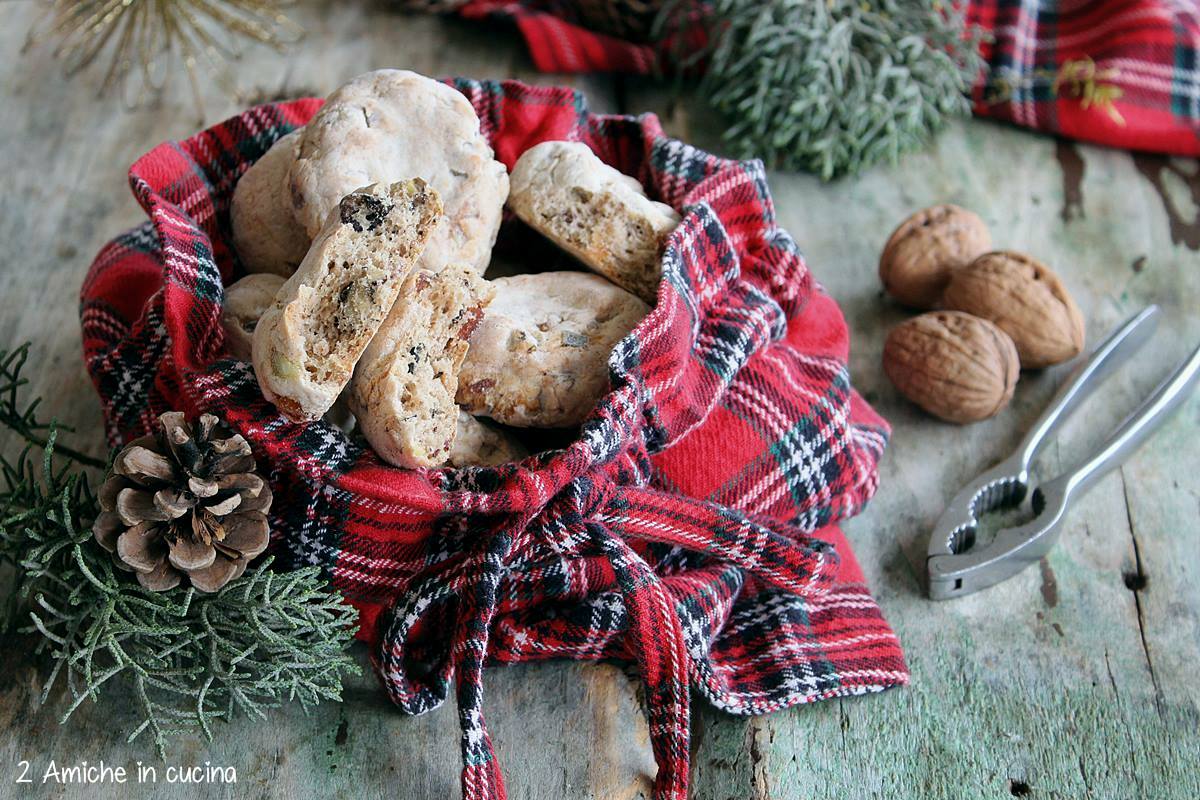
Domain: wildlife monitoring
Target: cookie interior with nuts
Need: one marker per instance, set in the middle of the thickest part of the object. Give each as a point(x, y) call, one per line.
point(355, 316)
point(307, 343)
point(404, 385)
point(594, 212)
point(540, 356)
point(391, 124)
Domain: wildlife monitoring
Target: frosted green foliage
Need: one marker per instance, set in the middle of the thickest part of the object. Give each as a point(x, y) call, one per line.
point(834, 86)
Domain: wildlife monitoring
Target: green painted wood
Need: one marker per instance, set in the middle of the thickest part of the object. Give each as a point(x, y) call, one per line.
point(1064, 682)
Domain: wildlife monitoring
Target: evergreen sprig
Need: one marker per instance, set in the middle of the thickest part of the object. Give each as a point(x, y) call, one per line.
point(22, 420)
point(190, 658)
point(832, 86)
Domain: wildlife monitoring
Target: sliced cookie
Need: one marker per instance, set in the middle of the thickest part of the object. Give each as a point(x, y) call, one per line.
point(307, 343)
point(266, 235)
point(539, 358)
point(480, 444)
point(404, 385)
point(594, 212)
point(245, 303)
point(392, 124)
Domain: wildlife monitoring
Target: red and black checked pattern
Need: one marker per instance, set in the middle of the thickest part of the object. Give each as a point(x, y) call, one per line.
point(690, 530)
point(1124, 73)
point(1117, 72)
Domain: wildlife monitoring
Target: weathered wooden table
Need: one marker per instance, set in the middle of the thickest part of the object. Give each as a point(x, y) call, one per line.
point(1076, 679)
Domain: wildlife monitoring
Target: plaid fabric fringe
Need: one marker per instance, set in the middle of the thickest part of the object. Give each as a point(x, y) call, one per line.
point(1124, 73)
point(690, 529)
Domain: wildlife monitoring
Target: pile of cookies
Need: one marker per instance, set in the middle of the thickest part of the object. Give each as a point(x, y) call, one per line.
point(367, 235)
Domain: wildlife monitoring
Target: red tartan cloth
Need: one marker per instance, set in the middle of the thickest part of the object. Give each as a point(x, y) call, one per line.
point(1046, 58)
point(689, 530)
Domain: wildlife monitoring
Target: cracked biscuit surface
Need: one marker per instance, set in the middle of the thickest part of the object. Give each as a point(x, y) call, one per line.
point(266, 235)
point(481, 444)
point(404, 385)
point(245, 303)
point(540, 356)
point(392, 124)
point(306, 345)
point(594, 212)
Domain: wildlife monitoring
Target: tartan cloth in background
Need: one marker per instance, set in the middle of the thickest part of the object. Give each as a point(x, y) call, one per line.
point(1117, 72)
point(690, 530)
point(1124, 73)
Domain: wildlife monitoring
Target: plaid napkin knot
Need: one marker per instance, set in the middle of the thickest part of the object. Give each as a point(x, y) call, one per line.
point(589, 543)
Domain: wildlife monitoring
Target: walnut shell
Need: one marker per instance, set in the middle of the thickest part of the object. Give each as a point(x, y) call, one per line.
point(955, 366)
point(1026, 300)
point(921, 254)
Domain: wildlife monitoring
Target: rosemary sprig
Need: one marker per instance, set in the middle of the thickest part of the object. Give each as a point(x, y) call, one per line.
point(189, 658)
point(831, 86)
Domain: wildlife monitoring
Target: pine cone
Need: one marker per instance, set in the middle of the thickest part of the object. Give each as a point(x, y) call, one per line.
point(184, 501)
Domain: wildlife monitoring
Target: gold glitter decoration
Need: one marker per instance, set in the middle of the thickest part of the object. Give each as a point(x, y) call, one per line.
point(142, 39)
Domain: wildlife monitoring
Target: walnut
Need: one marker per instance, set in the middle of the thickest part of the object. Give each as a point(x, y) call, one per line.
point(1025, 300)
point(955, 366)
point(922, 253)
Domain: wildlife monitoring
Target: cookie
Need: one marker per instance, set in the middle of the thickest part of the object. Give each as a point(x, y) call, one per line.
point(266, 235)
point(307, 343)
point(245, 302)
point(539, 358)
point(393, 124)
point(479, 444)
point(597, 214)
point(404, 385)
